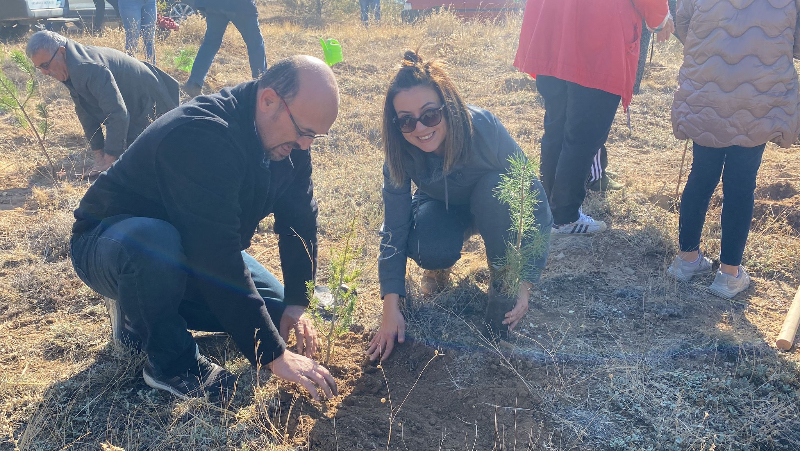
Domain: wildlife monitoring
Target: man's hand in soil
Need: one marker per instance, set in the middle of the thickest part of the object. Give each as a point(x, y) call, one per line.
point(521, 308)
point(304, 331)
point(393, 325)
point(306, 372)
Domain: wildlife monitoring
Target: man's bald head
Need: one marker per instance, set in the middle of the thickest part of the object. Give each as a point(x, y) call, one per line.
point(297, 100)
point(286, 75)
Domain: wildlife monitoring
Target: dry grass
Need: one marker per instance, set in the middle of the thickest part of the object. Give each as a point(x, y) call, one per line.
point(618, 356)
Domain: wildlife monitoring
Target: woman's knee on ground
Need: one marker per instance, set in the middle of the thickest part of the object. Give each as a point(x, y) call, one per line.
point(441, 254)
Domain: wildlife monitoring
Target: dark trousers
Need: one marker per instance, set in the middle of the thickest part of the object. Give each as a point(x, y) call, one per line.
point(738, 167)
point(216, 23)
point(100, 13)
point(438, 232)
point(577, 121)
point(140, 262)
point(367, 6)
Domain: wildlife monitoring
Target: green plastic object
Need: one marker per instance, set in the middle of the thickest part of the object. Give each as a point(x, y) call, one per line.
point(332, 50)
point(185, 60)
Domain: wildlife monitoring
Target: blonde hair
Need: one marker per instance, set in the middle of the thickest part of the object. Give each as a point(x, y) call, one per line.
point(458, 139)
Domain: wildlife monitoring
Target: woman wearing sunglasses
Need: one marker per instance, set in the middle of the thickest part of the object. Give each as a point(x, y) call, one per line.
point(455, 155)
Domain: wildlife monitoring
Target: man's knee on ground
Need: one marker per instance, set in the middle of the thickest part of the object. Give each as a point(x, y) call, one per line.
point(152, 239)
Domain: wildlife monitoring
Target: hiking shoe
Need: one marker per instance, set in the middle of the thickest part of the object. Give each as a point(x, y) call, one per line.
point(434, 280)
point(727, 286)
point(192, 90)
point(207, 378)
point(585, 225)
point(605, 183)
point(683, 270)
point(121, 330)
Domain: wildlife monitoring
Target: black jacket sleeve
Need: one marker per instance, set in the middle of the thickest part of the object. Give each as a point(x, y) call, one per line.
point(199, 172)
point(296, 225)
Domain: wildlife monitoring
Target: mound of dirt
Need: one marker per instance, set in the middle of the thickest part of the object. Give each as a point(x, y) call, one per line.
point(420, 392)
point(777, 191)
point(767, 212)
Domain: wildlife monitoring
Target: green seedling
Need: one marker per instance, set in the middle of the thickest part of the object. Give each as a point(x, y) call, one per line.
point(18, 102)
point(342, 280)
point(527, 243)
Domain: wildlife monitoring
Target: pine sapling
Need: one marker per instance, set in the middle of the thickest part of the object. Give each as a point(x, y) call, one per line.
point(527, 243)
point(342, 280)
point(35, 119)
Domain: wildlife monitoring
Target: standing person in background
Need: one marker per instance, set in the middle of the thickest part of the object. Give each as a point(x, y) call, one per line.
point(599, 179)
point(366, 6)
point(737, 90)
point(244, 15)
point(109, 88)
point(99, 18)
point(139, 18)
point(584, 57)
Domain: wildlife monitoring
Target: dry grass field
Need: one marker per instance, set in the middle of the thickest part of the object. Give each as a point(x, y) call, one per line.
point(613, 355)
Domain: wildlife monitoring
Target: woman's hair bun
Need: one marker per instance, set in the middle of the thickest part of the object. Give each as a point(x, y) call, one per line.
point(412, 57)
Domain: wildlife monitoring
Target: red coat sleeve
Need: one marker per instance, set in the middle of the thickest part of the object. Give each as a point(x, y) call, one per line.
point(654, 12)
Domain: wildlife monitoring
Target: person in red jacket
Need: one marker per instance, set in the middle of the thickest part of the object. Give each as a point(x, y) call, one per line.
point(584, 56)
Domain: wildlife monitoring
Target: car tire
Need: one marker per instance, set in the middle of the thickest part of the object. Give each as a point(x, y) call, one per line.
point(409, 15)
point(13, 32)
point(179, 11)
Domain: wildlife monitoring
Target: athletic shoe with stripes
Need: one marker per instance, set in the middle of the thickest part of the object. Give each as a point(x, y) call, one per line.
point(585, 225)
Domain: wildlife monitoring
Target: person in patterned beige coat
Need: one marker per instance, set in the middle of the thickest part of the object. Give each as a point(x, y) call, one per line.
point(737, 90)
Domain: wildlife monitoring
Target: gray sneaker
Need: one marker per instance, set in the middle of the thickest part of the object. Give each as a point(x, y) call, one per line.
point(727, 286)
point(683, 270)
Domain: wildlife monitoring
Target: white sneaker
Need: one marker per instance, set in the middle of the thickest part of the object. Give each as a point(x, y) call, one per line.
point(585, 225)
point(727, 286)
point(683, 270)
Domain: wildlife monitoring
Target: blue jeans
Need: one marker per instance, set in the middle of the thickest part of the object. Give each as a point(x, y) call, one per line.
point(216, 23)
point(738, 167)
point(577, 120)
point(140, 262)
point(366, 6)
point(139, 15)
point(438, 233)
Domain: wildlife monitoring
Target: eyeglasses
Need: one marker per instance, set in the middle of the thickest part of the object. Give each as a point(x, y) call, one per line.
point(300, 132)
point(429, 118)
point(46, 66)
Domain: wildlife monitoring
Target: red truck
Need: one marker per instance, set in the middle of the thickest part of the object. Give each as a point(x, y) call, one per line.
point(467, 9)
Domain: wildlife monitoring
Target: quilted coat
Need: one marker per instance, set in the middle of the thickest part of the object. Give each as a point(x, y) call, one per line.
point(737, 85)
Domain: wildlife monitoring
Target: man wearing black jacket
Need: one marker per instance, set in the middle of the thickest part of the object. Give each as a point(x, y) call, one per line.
point(162, 233)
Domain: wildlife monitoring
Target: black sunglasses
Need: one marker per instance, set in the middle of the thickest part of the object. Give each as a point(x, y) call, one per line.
point(46, 66)
point(429, 118)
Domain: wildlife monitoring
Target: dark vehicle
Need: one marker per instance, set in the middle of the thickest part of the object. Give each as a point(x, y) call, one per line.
point(178, 10)
point(466, 9)
point(17, 16)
